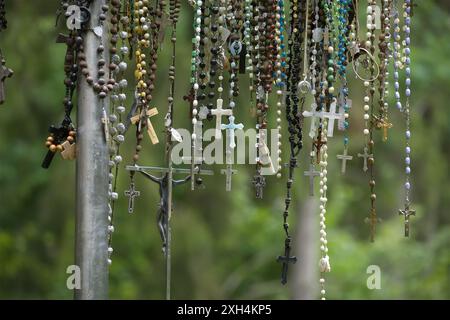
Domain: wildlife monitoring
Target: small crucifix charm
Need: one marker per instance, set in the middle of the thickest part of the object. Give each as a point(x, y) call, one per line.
point(344, 157)
point(365, 155)
point(318, 144)
point(131, 193)
point(259, 182)
point(219, 112)
point(372, 220)
point(407, 212)
point(285, 260)
point(383, 124)
point(4, 73)
point(312, 173)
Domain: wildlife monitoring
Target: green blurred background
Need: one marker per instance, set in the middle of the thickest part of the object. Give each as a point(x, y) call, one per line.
point(225, 244)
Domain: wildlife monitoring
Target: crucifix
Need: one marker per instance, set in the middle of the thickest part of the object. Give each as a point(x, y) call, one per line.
point(59, 134)
point(332, 115)
point(407, 212)
point(372, 220)
point(344, 157)
point(383, 124)
point(4, 73)
point(150, 130)
point(219, 112)
point(165, 183)
point(231, 127)
point(312, 173)
point(131, 193)
point(315, 115)
point(318, 144)
point(286, 259)
point(365, 155)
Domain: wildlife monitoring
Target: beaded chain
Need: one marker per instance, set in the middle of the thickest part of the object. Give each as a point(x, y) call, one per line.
point(118, 97)
point(281, 77)
point(407, 212)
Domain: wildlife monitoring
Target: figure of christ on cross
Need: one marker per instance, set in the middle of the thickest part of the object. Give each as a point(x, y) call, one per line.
point(163, 214)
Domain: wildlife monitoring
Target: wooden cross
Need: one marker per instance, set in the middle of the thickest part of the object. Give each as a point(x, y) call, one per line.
point(131, 193)
point(344, 157)
point(150, 130)
point(407, 212)
point(285, 260)
point(231, 127)
point(382, 123)
point(4, 73)
point(219, 112)
point(312, 173)
point(332, 115)
point(318, 143)
point(365, 155)
point(229, 172)
point(69, 150)
point(314, 116)
point(59, 135)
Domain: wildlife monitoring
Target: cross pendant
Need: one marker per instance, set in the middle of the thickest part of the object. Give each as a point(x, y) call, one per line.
point(365, 155)
point(372, 220)
point(131, 193)
point(150, 130)
point(229, 172)
point(312, 173)
point(259, 182)
point(407, 212)
point(4, 73)
point(344, 157)
point(383, 124)
point(219, 112)
point(318, 143)
point(285, 260)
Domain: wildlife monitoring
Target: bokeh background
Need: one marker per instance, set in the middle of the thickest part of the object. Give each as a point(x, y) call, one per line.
point(225, 244)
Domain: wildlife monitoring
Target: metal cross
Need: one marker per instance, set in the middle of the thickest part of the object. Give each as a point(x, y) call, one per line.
point(384, 124)
point(372, 220)
point(229, 172)
point(131, 193)
point(332, 115)
point(219, 112)
point(4, 73)
point(285, 260)
point(259, 181)
point(365, 155)
point(344, 157)
point(314, 114)
point(407, 212)
point(231, 127)
point(150, 130)
point(312, 173)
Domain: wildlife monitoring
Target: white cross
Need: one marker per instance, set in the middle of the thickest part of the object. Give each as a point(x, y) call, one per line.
point(231, 127)
point(219, 113)
point(229, 172)
point(312, 173)
point(314, 116)
point(332, 115)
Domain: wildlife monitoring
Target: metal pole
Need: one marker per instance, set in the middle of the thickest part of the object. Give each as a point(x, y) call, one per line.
point(91, 249)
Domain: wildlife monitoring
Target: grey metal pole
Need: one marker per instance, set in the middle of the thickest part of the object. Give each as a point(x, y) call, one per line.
point(91, 248)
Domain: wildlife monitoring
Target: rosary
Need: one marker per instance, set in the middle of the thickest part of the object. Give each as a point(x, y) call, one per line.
point(294, 58)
